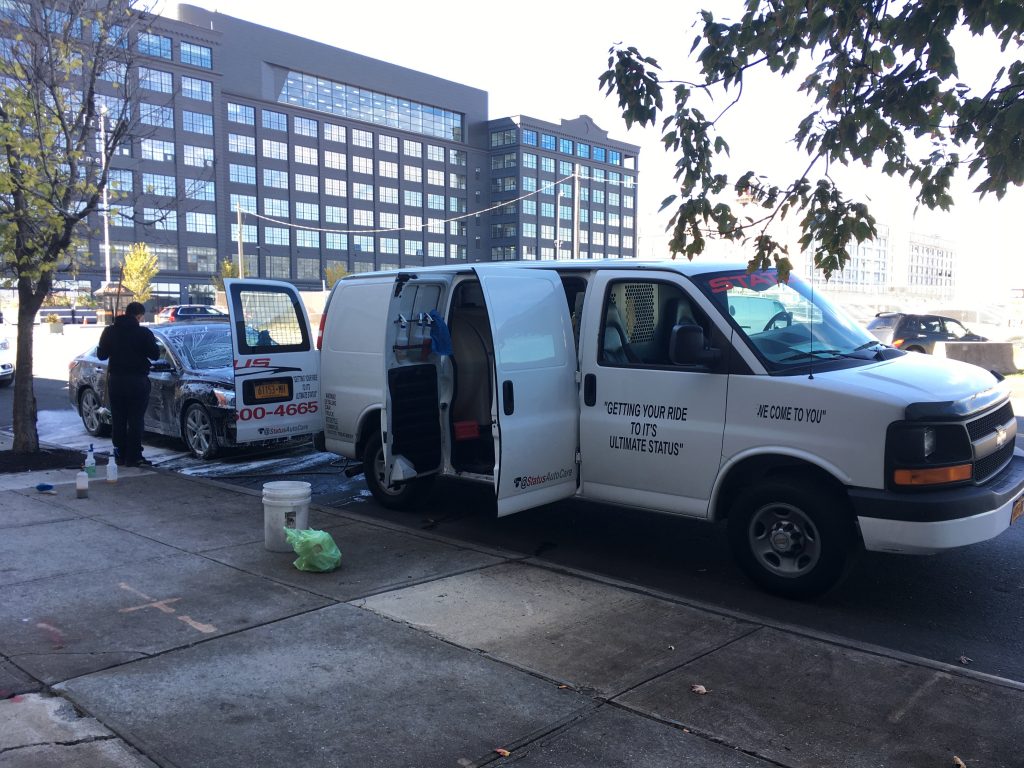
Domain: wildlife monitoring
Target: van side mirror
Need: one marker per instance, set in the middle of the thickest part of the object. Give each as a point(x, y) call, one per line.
point(687, 346)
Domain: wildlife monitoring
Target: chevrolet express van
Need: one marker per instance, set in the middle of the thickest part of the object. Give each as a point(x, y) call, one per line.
point(662, 386)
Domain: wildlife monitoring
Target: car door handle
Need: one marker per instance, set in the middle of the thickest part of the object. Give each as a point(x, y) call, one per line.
point(589, 389)
point(508, 395)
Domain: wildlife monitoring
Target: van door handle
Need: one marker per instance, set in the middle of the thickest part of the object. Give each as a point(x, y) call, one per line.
point(509, 397)
point(589, 389)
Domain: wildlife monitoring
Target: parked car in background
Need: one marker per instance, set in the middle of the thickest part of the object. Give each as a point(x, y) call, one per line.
point(192, 395)
point(918, 333)
point(7, 353)
point(179, 312)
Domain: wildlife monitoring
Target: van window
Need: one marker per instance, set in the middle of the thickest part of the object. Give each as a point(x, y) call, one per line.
point(272, 322)
point(639, 316)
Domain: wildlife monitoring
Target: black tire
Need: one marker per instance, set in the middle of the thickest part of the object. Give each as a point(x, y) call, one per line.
point(88, 408)
point(400, 497)
point(6, 382)
point(791, 536)
point(198, 432)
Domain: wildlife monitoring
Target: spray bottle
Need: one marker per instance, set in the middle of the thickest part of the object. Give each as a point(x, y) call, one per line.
point(90, 462)
point(111, 470)
point(82, 485)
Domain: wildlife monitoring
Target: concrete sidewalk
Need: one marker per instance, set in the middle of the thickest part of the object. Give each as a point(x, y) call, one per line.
point(148, 625)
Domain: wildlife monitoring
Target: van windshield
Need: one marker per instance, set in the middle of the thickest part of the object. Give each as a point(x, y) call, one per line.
point(785, 323)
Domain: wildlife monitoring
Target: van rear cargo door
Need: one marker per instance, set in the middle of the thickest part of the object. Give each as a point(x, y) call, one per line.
point(277, 366)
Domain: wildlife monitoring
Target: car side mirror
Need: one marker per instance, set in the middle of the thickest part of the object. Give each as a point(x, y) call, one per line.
point(687, 346)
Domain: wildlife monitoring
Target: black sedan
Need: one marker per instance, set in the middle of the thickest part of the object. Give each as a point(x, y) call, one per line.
point(192, 397)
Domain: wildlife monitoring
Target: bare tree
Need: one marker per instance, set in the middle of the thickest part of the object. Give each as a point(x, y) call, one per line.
point(65, 65)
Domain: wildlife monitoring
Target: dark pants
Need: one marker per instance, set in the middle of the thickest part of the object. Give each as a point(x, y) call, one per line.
point(129, 397)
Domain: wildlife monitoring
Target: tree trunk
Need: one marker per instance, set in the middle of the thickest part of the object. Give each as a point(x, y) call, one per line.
point(26, 434)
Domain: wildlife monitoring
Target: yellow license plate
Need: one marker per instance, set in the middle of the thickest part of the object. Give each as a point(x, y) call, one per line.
point(271, 390)
point(1018, 510)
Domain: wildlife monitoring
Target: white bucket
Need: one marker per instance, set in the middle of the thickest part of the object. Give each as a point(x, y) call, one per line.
point(285, 505)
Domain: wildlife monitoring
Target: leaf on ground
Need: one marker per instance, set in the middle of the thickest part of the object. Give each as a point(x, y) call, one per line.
point(503, 752)
point(698, 689)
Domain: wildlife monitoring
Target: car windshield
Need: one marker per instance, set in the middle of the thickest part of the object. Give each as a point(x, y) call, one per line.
point(202, 349)
point(787, 323)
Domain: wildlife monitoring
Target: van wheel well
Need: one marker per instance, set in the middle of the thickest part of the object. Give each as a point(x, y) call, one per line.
point(758, 468)
point(370, 424)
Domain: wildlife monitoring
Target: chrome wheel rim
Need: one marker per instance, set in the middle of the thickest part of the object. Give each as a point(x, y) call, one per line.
point(90, 411)
point(784, 540)
point(198, 431)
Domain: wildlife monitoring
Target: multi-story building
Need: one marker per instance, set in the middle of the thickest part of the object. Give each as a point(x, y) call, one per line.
point(316, 157)
point(931, 267)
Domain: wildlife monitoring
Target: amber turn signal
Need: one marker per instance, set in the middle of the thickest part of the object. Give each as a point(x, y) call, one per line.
point(932, 476)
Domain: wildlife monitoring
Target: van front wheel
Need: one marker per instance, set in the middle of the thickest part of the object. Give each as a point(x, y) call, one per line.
point(399, 497)
point(792, 538)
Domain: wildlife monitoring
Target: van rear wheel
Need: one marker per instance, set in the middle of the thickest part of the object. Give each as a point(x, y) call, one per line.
point(793, 537)
point(400, 497)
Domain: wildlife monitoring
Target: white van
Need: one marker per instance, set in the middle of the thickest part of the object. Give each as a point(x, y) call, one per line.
point(662, 386)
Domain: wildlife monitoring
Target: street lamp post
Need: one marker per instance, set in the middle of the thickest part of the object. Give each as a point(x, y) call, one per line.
point(106, 202)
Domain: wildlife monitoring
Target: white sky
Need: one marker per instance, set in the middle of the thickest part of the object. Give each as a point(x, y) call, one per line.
point(544, 59)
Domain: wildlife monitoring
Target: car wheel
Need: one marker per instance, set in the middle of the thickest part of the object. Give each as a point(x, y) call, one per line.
point(89, 408)
point(392, 497)
point(793, 538)
point(198, 432)
point(6, 382)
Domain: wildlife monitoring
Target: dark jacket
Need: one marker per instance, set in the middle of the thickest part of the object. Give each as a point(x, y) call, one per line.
point(129, 347)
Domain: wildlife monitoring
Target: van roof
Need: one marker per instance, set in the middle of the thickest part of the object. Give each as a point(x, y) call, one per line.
point(682, 266)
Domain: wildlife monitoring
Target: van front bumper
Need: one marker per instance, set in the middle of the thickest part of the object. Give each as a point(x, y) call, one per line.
point(933, 521)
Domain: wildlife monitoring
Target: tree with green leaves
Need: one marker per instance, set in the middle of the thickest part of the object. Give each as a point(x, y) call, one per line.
point(333, 272)
point(140, 267)
point(228, 268)
point(884, 81)
point(65, 65)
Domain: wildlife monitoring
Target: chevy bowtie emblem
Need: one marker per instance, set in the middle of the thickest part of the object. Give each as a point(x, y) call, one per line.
point(1000, 435)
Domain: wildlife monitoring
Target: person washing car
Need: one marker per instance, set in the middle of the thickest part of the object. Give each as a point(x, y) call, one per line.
point(129, 347)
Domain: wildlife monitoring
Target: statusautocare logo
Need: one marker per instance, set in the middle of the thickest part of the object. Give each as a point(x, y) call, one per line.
point(529, 481)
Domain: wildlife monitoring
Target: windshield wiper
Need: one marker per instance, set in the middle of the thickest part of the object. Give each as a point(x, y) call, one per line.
point(811, 353)
point(866, 344)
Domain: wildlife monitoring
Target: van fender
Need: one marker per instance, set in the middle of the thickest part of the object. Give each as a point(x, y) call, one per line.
point(369, 418)
point(758, 461)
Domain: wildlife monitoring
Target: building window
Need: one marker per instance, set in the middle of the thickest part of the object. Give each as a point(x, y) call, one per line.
point(435, 226)
point(436, 178)
point(197, 122)
point(413, 223)
point(154, 149)
point(307, 211)
point(201, 258)
point(200, 157)
point(158, 184)
point(335, 187)
point(547, 210)
point(276, 236)
point(529, 184)
point(529, 207)
point(306, 155)
point(203, 223)
point(156, 80)
point(362, 138)
point(303, 126)
point(547, 141)
point(362, 165)
point(413, 173)
point(275, 207)
point(275, 150)
point(435, 153)
point(119, 180)
point(362, 218)
point(599, 154)
point(335, 214)
point(275, 121)
point(388, 195)
point(389, 245)
point(505, 138)
point(547, 165)
point(278, 267)
point(200, 189)
point(241, 174)
point(412, 198)
point(387, 220)
point(362, 191)
point(457, 157)
point(387, 169)
point(435, 250)
point(243, 145)
point(435, 202)
point(161, 219)
point(529, 229)
point(166, 259)
point(387, 143)
point(196, 55)
point(614, 157)
point(335, 133)
point(274, 178)
point(564, 168)
point(155, 45)
point(152, 114)
point(248, 236)
point(306, 183)
point(122, 215)
point(547, 232)
point(529, 137)
point(457, 180)
point(414, 248)
point(363, 243)
point(335, 241)
point(336, 160)
point(529, 160)
point(583, 150)
point(412, 148)
point(307, 269)
point(240, 113)
point(245, 203)
point(305, 238)
point(194, 88)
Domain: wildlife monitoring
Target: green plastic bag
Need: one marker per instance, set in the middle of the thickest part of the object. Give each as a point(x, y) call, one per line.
point(316, 550)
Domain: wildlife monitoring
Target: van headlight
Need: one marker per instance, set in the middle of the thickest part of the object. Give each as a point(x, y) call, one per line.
point(225, 397)
point(932, 454)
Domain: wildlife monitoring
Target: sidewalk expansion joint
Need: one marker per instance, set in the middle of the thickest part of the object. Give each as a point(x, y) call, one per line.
point(74, 743)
